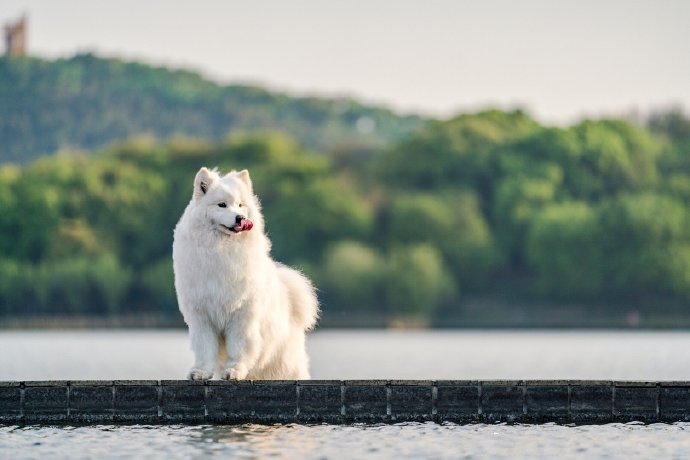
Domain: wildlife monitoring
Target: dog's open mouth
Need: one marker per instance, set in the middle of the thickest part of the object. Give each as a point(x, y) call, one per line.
point(244, 226)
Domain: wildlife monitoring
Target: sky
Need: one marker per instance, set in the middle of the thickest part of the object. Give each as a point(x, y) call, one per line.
point(560, 60)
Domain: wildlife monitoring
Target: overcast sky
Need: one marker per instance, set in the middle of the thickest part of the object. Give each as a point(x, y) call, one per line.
point(559, 59)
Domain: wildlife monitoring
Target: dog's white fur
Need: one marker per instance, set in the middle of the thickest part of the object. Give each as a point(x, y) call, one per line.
point(247, 314)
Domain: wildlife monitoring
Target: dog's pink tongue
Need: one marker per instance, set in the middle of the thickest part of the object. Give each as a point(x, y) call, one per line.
point(246, 225)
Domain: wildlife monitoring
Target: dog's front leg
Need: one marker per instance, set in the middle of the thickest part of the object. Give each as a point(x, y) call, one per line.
point(243, 342)
point(204, 342)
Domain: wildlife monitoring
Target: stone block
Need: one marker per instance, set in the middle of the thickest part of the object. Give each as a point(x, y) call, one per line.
point(546, 403)
point(635, 403)
point(264, 402)
point(91, 383)
point(46, 383)
point(366, 382)
point(46, 404)
point(457, 403)
point(502, 403)
point(275, 401)
point(91, 404)
point(136, 403)
point(411, 403)
point(674, 403)
point(591, 403)
point(367, 402)
point(183, 403)
point(10, 403)
point(229, 402)
point(320, 403)
point(147, 383)
point(186, 383)
point(414, 383)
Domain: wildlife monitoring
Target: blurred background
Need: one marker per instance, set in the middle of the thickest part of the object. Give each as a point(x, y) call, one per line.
point(428, 164)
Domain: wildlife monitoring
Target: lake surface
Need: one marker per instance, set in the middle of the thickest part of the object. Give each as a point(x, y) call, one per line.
point(340, 354)
point(412, 440)
point(347, 354)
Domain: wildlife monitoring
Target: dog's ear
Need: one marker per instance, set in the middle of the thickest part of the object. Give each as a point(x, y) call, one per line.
point(244, 177)
point(202, 182)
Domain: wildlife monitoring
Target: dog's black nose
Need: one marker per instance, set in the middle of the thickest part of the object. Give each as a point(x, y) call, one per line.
point(238, 219)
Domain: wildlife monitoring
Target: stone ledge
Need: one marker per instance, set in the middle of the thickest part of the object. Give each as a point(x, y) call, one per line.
point(343, 401)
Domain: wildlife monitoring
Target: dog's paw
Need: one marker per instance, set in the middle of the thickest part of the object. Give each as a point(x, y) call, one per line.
point(237, 372)
point(199, 374)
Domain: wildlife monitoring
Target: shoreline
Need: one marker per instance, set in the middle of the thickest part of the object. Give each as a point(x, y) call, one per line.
point(362, 321)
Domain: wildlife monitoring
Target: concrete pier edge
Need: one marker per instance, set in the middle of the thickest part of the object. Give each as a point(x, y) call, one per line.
point(342, 402)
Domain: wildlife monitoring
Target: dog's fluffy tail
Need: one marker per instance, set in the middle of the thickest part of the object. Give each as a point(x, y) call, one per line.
point(303, 301)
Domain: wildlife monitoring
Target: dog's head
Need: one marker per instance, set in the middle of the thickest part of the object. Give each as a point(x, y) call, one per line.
point(227, 203)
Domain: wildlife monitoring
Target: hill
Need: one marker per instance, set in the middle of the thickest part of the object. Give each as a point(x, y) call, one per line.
point(86, 102)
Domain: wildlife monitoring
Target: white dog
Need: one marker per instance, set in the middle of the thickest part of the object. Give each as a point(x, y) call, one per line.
point(247, 314)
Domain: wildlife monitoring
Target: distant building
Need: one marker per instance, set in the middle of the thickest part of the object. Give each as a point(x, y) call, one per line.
point(15, 37)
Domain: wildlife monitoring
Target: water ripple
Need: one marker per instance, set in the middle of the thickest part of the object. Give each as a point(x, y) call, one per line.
point(408, 440)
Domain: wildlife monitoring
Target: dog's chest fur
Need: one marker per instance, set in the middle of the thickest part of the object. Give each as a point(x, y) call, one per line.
point(214, 274)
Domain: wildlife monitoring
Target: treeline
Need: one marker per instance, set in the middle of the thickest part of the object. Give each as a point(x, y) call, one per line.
point(86, 102)
point(480, 205)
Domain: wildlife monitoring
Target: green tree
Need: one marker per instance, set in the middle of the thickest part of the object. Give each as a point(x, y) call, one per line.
point(517, 201)
point(630, 248)
point(564, 250)
point(30, 214)
point(352, 277)
point(417, 282)
point(646, 242)
point(305, 218)
point(454, 152)
point(158, 286)
point(454, 224)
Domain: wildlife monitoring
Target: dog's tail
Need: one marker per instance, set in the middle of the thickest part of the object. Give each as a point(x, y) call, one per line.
point(303, 302)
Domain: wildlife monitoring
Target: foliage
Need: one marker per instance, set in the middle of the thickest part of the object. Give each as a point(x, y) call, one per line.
point(416, 280)
point(562, 249)
point(86, 102)
point(456, 151)
point(352, 277)
point(596, 213)
point(76, 285)
point(453, 223)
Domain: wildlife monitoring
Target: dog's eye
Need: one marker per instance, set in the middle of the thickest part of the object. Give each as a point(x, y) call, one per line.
point(241, 205)
point(222, 205)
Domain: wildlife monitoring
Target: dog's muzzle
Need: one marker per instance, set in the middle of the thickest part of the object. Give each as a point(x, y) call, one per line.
point(242, 224)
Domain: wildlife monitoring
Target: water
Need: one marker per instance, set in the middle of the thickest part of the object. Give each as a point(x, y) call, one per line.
point(39, 355)
point(413, 440)
point(345, 354)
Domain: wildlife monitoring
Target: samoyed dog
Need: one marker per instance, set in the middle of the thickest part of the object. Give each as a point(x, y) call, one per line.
point(247, 314)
